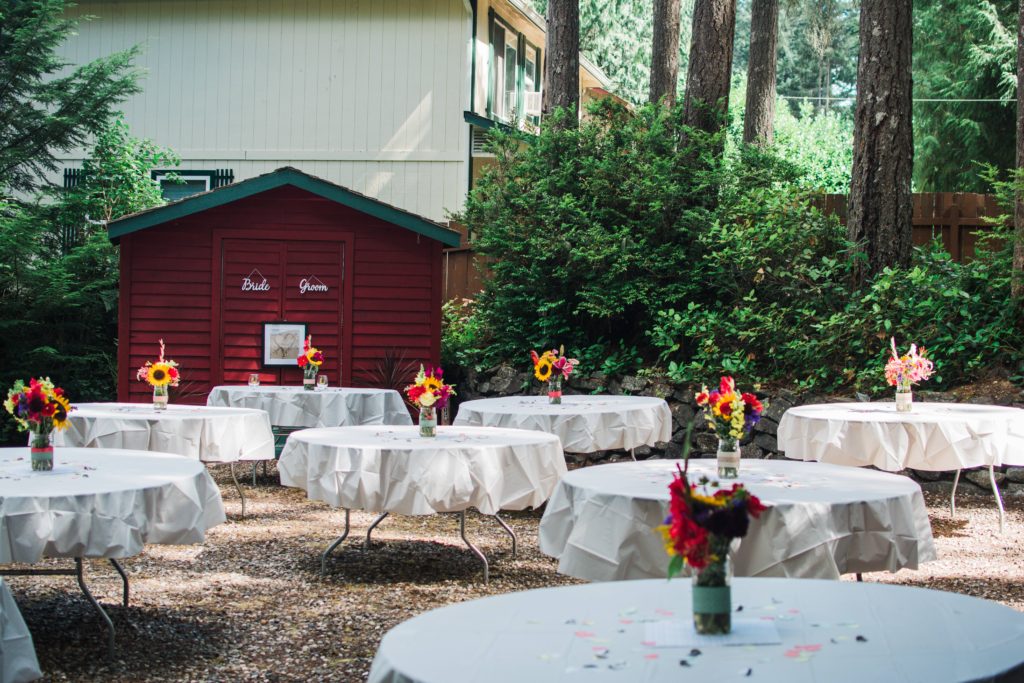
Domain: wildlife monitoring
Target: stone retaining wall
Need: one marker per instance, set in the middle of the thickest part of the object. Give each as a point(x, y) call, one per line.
point(761, 443)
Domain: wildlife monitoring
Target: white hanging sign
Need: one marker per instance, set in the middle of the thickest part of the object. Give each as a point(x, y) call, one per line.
point(311, 284)
point(255, 282)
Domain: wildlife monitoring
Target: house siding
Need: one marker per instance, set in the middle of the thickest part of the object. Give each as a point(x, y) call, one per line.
point(365, 93)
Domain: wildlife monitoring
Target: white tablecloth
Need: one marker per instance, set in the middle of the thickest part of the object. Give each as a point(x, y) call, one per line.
point(584, 424)
point(331, 407)
point(830, 632)
point(215, 435)
point(933, 437)
point(18, 661)
point(393, 469)
point(825, 520)
point(102, 503)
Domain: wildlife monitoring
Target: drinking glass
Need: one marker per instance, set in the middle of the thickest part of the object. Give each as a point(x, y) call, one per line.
point(321, 381)
point(254, 379)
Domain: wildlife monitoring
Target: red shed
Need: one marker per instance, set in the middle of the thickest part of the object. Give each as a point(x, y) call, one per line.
point(219, 273)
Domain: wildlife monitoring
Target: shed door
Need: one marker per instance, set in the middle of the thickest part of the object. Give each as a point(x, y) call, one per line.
point(272, 281)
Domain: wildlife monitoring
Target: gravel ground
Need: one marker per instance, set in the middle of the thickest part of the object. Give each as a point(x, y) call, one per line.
point(250, 605)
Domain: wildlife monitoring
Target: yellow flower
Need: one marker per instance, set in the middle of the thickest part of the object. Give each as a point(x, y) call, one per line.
point(666, 536)
point(542, 370)
point(159, 374)
point(710, 501)
point(60, 418)
point(432, 384)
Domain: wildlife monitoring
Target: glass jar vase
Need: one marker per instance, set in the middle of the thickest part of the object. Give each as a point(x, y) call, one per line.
point(309, 377)
point(712, 591)
point(728, 458)
point(41, 448)
point(904, 398)
point(160, 396)
point(428, 421)
point(555, 390)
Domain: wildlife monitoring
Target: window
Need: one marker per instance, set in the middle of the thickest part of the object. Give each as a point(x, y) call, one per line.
point(515, 71)
point(178, 184)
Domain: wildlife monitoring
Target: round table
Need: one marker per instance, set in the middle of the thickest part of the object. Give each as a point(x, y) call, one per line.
point(936, 437)
point(101, 502)
point(18, 663)
point(392, 469)
point(212, 435)
point(292, 406)
point(824, 521)
point(584, 424)
point(639, 631)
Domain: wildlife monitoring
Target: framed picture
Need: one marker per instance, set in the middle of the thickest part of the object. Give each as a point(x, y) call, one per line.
point(282, 343)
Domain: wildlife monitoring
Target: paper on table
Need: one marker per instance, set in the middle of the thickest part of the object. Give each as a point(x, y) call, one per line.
point(680, 633)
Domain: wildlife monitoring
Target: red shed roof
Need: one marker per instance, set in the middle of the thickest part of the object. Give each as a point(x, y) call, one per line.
point(269, 181)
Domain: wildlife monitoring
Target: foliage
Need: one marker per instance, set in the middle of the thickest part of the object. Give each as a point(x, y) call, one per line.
point(59, 272)
point(819, 143)
point(963, 51)
point(628, 243)
point(46, 106)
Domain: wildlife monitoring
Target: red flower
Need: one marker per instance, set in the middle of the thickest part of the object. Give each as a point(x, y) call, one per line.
point(752, 402)
point(303, 361)
point(414, 392)
point(172, 373)
point(727, 385)
point(702, 398)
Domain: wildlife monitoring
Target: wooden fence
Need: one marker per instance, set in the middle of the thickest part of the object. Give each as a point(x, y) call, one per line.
point(958, 217)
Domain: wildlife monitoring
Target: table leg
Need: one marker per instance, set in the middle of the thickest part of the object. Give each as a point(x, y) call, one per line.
point(333, 546)
point(96, 605)
point(860, 577)
point(952, 496)
point(124, 580)
point(476, 551)
point(632, 454)
point(509, 531)
point(238, 487)
point(373, 525)
point(999, 499)
point(254, 463)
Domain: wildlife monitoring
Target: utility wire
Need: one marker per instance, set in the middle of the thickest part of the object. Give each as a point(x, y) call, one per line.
point(915, 99)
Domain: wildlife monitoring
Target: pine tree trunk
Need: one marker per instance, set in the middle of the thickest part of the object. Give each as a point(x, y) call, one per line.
point(1018, 213)
point(707, 79)
point(880, 206)
point(665, 51)
point(562, 59)
point(764, 33)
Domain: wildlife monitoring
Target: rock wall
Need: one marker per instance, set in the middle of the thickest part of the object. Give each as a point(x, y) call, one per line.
point(761, 443)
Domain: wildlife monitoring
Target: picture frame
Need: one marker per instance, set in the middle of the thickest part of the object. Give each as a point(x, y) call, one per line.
point(282, 343)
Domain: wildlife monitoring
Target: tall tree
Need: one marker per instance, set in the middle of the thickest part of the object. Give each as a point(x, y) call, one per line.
point(710, 71)
point(665, 51)
point(764, 35)
point(562, 58)
point(880, 206)
point(47, 107)
point(1018, 213)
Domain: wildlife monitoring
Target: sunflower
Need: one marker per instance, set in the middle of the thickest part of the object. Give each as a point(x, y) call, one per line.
point(432, 384)
point(542, 370)
point(159, 374)
point(60, 414)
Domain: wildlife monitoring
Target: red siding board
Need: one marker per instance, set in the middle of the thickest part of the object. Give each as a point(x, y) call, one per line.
point(177, 277)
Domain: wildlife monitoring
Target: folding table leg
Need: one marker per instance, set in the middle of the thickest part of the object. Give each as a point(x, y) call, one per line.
point(96, 605)
point(124, 580)
point(509, 531)
point(952, 496)
point(999, 499)
point(476, 551)
point(238, 487)
point(333, 546)
point(373, 525)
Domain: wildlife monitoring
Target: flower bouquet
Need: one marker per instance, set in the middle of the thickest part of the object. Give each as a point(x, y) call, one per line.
point(159, 375)
point(698, 533)
point(38, 409)
point(428, 393)
point(552, 367)
point(310, 361)
point(903, 371)
point(732, 415)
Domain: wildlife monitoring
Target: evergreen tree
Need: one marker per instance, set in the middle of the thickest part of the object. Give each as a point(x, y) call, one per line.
point(46, 107)
point(562, 60)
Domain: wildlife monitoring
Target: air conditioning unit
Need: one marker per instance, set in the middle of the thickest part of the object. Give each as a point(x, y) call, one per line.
point(532, 103)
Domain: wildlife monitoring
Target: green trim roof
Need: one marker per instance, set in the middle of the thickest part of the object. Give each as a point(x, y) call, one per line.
point(283, 176)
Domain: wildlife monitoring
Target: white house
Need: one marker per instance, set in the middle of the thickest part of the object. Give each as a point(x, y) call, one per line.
point(385, 97)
